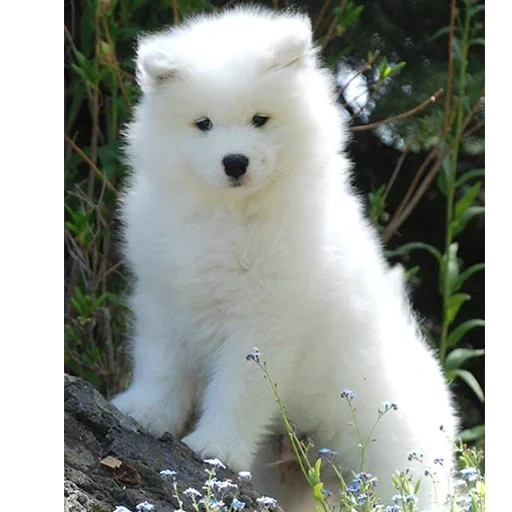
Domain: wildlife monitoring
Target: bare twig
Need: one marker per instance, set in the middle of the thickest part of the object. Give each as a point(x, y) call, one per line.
point(399, 117)
point(91, 164)
point(473, 129)
point(395, 172)
point(175, 12)
point(320, 16)
point(399, 219)
point(367, 66)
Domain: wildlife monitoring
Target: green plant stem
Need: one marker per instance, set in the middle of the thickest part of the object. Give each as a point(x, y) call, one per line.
point(451, 182)
point(298, 449)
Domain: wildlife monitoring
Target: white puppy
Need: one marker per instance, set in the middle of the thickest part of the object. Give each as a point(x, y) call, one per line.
point(243, 231)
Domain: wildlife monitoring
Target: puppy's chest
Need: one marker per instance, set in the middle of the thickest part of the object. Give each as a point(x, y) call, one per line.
point(226, 264)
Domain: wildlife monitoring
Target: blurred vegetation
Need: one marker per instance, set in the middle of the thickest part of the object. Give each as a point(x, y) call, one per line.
point(421, 166)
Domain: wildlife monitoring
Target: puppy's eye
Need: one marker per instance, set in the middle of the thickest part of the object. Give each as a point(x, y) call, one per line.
point(259, 120)
point(204, 124)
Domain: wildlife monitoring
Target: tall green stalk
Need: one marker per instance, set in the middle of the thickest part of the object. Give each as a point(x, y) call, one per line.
point(451, 188)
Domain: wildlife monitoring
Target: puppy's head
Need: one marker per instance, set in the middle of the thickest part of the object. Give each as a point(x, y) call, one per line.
point(230, 103)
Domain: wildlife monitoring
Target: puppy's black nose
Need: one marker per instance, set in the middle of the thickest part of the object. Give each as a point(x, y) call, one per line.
point(235, 165)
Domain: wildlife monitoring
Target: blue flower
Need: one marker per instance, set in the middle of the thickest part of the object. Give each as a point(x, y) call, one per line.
point(216, 463)
point(254, 355)
point(363, 477)
point(326, 491)
point(392, 508)
point(348, 394)
point(353, 487)
point(415, 455)
point(145, 507)
point(237, 504)
point(325, 452)
point(412, 498)
point(212, 503)
point(265, 501)
point(386, 406)
point(469, 474)
point(192, 492)
point(244, 475)
point(168, 473)
point(361, 498)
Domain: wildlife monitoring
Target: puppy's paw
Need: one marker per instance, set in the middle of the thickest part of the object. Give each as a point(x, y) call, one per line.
point(155, 416)
point(230, 450)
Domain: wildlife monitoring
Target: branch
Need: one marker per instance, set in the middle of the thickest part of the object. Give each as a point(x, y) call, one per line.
point(399, 117)
point(91, 164)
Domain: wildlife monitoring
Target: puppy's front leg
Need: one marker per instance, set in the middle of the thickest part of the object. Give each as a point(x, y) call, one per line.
point(238, 403)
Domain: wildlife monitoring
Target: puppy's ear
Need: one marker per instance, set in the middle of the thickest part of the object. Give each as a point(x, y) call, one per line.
point(154, 67)
point(293, 45)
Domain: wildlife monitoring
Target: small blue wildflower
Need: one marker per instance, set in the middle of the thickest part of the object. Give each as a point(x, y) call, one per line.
point(415, 455)
point(216, 463)
point(265, 501)
point(392, 508)
point(464, 502)
point(469, 474)
point(224, 486)
point(145, 507)
point(168, 473)
point(361, 498)
point(192, 492)
point(254, 355)
point(326, 453)
point(244, 475)
point(210, 483)
point(353, 487)
point(363, 477)
point(348, 394)
point(396, 498)
point(386, 406)
point(458, 483)
point(326, 491)
point(212, 504)
point(237, 504)
point(412, 498)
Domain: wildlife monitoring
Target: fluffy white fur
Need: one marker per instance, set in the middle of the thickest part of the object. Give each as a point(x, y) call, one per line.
point(286, 262)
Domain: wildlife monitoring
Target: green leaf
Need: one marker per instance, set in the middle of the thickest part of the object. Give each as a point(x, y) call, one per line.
point(474, 173)
point(407, 248)
point(471, 381)
point(467, 199)
point(472, 434)
point(456, 358)
point(411, 272)
point(457, 53)
point(387, 72)
point(454, 304)
point(449, 269)
point(477, 40)
point(456, 335)
point(459, 224)
point(80, 71)
point(443, 178)
point(439, 33)
point(317, 492)
point(398, 66)
point(464, 276)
